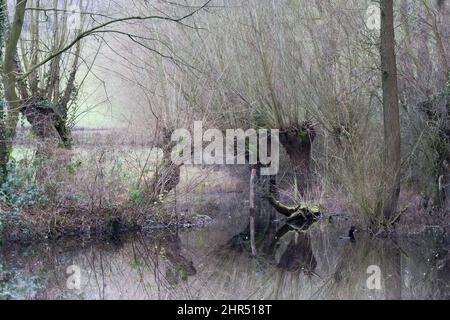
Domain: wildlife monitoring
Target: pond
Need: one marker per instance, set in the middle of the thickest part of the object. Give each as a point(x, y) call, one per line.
point(216, 262)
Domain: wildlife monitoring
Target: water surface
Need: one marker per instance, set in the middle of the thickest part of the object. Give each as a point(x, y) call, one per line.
point(216, 263)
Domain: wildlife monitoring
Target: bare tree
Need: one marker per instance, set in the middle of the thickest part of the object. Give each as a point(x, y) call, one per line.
point(33, 81)
point(392, 157)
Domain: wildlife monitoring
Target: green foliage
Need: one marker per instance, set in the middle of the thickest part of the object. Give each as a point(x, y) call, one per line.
point(182, 272)
point(73, 166)
point(137, 195)
point(20, 190)
point(45, 103)
point(136, 264)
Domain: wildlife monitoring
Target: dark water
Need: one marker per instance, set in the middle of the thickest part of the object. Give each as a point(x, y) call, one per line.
point(216, 263)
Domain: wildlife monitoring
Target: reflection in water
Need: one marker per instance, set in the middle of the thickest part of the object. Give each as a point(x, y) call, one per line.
point(178, 266)
point(307, 262)
point(288, 245)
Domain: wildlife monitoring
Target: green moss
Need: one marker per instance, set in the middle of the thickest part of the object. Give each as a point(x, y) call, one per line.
point(302, 134)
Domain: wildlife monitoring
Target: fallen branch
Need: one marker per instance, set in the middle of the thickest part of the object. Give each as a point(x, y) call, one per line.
point(301, 212)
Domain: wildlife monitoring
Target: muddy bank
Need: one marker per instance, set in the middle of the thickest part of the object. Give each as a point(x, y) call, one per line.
point(190, 211)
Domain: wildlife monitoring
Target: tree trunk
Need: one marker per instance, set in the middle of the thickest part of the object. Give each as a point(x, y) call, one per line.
point(3, 144)
point(168, 173)
point(9, 121)
point(440, 32)
point(298, 145)
point(253, 178)
point(63, 105)
point(390, 111)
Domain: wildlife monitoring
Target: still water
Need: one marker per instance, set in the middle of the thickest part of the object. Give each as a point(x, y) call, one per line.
point(215, 262)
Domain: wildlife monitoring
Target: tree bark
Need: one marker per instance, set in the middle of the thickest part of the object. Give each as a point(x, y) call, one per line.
point(9, 68)
point(168, 173)
point(252, 211)
point(3, 146)
point(298, 145)
point(390, 111)
point(9, 120)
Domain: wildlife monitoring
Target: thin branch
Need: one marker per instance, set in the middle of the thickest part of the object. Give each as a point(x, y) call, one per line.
point(96, 30)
